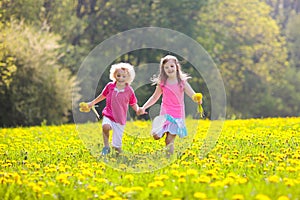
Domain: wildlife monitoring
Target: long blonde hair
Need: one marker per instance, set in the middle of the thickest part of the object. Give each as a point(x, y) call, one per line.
point(162, 76)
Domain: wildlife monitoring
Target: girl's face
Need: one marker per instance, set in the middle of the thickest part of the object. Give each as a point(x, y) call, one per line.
point(121, 76)
point(170, 68)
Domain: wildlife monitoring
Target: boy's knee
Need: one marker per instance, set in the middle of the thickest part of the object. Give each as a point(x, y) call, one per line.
point(106, 127)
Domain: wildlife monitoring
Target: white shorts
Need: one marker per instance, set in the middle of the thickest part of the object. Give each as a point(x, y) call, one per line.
point(118, 130)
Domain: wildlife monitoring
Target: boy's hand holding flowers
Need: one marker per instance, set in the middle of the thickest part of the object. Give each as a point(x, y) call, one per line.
point(84, 107)
point(197, 97)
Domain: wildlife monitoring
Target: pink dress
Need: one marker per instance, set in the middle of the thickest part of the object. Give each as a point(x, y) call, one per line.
point(172, 106)
point(117, 102)
point(173, 100)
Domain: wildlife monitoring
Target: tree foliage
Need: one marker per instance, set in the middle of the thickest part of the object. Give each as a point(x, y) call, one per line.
point(40, 89)
point(248, 48)
point(254, 43)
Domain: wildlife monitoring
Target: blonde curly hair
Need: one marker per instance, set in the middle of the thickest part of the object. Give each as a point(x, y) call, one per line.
point(122, 66)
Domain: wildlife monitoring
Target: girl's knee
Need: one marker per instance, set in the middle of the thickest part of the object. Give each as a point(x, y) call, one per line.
point(170, 139)
point(156, 137)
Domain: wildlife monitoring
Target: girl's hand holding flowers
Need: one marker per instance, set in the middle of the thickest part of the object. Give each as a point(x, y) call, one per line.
point(197, 97)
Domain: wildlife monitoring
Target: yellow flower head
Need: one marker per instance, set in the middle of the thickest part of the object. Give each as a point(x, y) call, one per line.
point(84, 107)
point(197, 97)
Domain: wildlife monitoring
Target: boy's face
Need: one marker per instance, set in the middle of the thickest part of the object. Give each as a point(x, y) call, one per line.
point(170, 68)
point(121, 76)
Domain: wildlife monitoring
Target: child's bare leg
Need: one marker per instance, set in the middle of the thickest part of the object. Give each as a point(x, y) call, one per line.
point(170, 143)
point(155, 136)
point(105, 132)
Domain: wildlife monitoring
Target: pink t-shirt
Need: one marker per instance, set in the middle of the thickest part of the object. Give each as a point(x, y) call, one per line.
point(173, 100)
point(117, 102)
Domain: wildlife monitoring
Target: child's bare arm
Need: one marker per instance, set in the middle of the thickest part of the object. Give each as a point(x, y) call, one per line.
point(135, 107)
point(99, 98)
point(189, 91)
point(155, 96)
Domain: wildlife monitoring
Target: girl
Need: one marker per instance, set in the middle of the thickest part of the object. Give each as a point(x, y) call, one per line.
point(118, 94)
point(171, 84)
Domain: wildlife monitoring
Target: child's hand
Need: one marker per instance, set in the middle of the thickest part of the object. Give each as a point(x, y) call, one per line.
point(197, 97)
point(90, 104)
point(141, 111)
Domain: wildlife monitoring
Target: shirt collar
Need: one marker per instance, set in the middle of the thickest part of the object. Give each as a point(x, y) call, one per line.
point(117, 90)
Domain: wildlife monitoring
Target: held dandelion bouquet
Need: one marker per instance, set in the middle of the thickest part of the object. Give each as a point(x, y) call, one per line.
point(84, 107)
point(197, 97)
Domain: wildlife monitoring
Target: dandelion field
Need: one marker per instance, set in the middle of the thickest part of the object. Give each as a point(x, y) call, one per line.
point(252, 159)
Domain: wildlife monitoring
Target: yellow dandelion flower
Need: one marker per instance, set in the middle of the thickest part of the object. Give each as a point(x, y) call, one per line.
point(181, 180)
point(92, 188)
point(191, 172)
point(111, 193)
point(105, 196)
point(87, 172)
point(238, 197)
point(291, 169)
point(280, 169)
point(46, 193)
point(24, 172)
point(129, 177)
point(122, 189)
point(262, 197)
point(289, 182)
point(241, 180)
point(197, 97)
point(137, 188)
point(217, 184)
point(156, 184)
point(283, 198)
point(100, 180)
point(36, 188)
point(200, 195)
point(99, 172)
point(123, 166)
point(166, 193)
point(51, 184)
point(175, 166)
point(159, 183)
point(152, 185)
point(274, 179)
point(41, 183)
point(161, 177)
point(204, 179)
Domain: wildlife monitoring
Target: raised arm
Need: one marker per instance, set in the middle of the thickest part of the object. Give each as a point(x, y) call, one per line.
point(189, 91)
point(99, 98)
point(155, 96)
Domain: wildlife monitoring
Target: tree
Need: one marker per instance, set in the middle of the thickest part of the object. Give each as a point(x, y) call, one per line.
point(293, 38)
point(40, 89)
point(282, 10)
point(247, 46)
